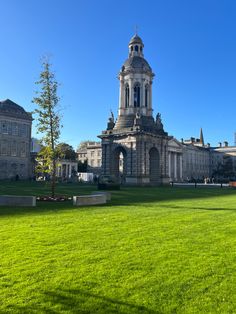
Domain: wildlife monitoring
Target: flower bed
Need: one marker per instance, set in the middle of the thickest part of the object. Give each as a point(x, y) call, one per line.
point(57, 198)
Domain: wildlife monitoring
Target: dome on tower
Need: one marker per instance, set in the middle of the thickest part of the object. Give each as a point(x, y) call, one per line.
point(136, 40)
point(136, 63)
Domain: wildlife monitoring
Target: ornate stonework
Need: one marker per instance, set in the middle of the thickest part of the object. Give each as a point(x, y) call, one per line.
point(135, 147)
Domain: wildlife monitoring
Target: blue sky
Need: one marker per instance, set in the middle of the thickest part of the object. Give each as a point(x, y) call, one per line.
point(190, 45)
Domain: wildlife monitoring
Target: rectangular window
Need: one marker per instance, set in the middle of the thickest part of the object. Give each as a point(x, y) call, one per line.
point(4, 148)
point(4, 127)
point(24, 130)
point(23, 149)
point(13, 149)
point(15, 129)
point(9, 128)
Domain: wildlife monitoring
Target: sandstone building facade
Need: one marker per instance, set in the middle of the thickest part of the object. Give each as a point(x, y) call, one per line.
point(15, 141)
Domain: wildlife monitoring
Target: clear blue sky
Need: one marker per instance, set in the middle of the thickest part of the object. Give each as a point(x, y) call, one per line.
point(190, 45)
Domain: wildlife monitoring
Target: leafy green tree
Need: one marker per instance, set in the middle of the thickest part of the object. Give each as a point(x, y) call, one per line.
point(48, 120)
point(224, 169)
point(43, 162)
point(218, 171)
point(227, 167)
point(66, 151)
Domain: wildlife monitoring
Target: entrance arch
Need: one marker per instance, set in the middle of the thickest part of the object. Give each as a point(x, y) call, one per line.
point(154, 165)
point(119, 163)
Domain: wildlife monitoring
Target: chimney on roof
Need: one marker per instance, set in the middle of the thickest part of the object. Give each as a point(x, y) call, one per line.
point(226, 144)
point(220, 144)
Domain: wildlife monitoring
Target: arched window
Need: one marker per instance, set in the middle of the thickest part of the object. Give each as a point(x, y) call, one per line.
point(132, 48)
point(126, 96)
point(136, 48)
point(136, 95)
point(146, 95)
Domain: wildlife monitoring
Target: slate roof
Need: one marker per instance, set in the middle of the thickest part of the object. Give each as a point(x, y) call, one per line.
point(9, 108)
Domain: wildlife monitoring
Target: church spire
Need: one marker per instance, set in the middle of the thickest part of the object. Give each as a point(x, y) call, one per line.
point(201, 137)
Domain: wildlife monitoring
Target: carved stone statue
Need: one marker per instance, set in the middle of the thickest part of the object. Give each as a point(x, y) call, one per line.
point(111, 122)
point(112, 119)
point(137, 119)
point(159, 123)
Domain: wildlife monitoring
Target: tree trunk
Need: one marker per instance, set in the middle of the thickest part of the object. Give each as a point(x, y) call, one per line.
point(53, 179)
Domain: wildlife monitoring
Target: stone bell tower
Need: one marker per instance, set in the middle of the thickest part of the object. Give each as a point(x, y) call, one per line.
point(134, 147)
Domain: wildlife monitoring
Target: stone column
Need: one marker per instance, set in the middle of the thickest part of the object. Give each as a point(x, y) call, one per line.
point(131, 94)
point(150, 96)
point(180, 166)
point(121, 97)
point(68, 171)
point(143, 93)
point(105, 159)
point(175, 165)
point(169, 165)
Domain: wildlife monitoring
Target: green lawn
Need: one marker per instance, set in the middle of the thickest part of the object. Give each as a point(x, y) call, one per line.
point(150, 250)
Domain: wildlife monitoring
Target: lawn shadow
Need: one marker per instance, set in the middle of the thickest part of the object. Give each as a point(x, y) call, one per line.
point(162, 194)
point(127, 196)
point(78, 301)
point(198, 208)
point(41, 208)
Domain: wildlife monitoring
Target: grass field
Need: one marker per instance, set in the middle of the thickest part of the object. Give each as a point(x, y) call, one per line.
point(150, 250)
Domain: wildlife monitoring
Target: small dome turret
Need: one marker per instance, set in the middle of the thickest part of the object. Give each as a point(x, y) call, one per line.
point(136, 61)
point(136, 46)
point(136, 40)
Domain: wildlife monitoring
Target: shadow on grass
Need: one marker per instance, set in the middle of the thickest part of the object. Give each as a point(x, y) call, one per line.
point(127, 196)
point(82, 302)
point(134, 196)
point(198, 207)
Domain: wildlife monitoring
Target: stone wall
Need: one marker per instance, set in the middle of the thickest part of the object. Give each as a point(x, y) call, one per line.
point(15, 141)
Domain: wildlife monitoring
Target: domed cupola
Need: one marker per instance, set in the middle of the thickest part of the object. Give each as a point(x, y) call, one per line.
point(136, 46)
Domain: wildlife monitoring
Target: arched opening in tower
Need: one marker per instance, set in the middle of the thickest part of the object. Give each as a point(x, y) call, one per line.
point(119, 160)
point(154, 165)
